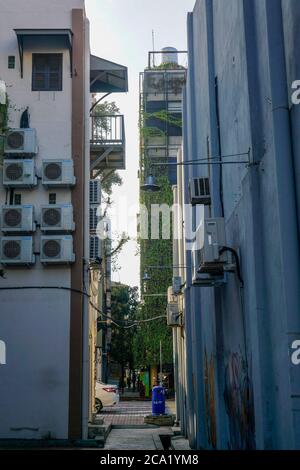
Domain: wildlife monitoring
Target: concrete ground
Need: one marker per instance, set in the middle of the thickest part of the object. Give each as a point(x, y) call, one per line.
point(131, 412)
point(135, 439)
point(129, 432)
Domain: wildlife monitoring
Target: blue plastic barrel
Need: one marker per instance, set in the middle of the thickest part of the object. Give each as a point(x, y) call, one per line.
point(158, 401)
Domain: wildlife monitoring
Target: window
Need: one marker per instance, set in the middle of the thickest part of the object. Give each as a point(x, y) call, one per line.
point(18, 199)
point(175, 106)
point(11, 61)
point(52, 198)
point(46, 72)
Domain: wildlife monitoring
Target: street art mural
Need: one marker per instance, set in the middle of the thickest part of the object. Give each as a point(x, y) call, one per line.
point(239, 403)
point(210, 403)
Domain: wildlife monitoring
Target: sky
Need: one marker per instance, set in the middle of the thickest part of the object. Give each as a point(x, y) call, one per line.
point(121, 31)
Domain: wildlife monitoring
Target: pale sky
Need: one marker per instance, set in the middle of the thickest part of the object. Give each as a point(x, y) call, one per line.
point(121, 31)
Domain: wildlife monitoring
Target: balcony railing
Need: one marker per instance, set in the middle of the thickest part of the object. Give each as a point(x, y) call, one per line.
point(107, 130)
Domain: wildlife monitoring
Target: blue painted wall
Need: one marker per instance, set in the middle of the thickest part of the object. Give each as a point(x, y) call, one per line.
point(242, 60)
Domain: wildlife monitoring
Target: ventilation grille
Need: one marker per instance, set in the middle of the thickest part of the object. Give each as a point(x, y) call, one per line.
point(52, 217)
point(95, 248)
point(94, 219)
point(12, 218)
point(14, 171)
point(201, 187)
point(15, 140)
point(95, 192)
point(12, 249)
point(200, 191)
point(53, 171)
point(52, 249)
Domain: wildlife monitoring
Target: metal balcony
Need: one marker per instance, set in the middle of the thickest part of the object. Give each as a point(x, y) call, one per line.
point(107, 144)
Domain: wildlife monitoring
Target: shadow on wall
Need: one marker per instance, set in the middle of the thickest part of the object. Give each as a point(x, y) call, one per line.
point(239, 403)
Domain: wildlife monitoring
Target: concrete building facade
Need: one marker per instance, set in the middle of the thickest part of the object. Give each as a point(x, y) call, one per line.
point(49, 299)
point(239, 387)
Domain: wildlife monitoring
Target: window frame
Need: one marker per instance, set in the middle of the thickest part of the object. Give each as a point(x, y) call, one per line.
point(47, 72)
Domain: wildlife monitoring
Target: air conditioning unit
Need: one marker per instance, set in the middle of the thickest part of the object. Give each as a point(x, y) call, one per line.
point(58, 173)
point(57, 218)
point(57, 249)
point(21, 142)
point(94, 218)
point(19, 174)
point(172, 296)
point(17, 219)
point(210, 238)
point(177, 284)
point(199, 189)
point(95, 192)
point(95, 248)
point(173, 315)
point(17, 251)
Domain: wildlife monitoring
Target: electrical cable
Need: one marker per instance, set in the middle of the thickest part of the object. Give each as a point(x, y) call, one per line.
point(237, 260)
point(78, 291)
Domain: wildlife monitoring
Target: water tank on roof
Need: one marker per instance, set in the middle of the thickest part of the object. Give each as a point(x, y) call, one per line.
point(169, 55)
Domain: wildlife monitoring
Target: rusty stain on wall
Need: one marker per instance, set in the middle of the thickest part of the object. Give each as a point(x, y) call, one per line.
point(210, 404)
point(239, 403)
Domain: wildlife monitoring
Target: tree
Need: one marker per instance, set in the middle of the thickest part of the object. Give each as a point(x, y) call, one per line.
point(124, 305)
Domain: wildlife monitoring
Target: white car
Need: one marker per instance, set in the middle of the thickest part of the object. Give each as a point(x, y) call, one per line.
point(106, 395)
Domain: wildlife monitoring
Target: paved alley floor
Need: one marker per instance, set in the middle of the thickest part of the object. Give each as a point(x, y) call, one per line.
point(131, 412)
point(135, 439)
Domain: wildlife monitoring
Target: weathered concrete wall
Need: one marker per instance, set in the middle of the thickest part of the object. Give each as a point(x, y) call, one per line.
point(35, 323)
point(241, 61)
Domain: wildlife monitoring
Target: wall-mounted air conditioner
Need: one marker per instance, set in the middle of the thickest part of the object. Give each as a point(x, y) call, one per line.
point(57, 218)
point(17, 251)
point(17, 219)
point(172, 296)
point(57, 249)
point(173, 315)
point(94, 218)
point(58, 173)
point(177, 284)
point(19, 174)
point(95, 248)
point(207, 261)
point(95, 192)
point(199, 189)
point(173, 312)
point(21, 142)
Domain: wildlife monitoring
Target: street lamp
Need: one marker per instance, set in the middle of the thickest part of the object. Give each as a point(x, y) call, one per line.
point(146, 277)
point(150, 185)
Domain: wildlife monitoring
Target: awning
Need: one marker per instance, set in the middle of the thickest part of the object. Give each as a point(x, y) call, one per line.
point(65, 35)
point(107, 77)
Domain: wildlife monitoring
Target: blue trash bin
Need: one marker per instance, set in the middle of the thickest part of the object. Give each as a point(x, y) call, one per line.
point(158, 401)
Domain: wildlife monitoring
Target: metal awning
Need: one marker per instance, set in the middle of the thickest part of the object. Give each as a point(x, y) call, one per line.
point(65, 35)
point(107, 77)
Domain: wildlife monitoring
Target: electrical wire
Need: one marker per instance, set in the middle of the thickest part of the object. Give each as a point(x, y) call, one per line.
point(237, 260)
point(78, 291)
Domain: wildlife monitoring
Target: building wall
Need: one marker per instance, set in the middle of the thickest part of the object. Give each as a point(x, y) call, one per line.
point(35, 324)
point(246, 390)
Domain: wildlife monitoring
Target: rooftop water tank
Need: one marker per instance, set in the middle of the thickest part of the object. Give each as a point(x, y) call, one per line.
point(169, 55)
